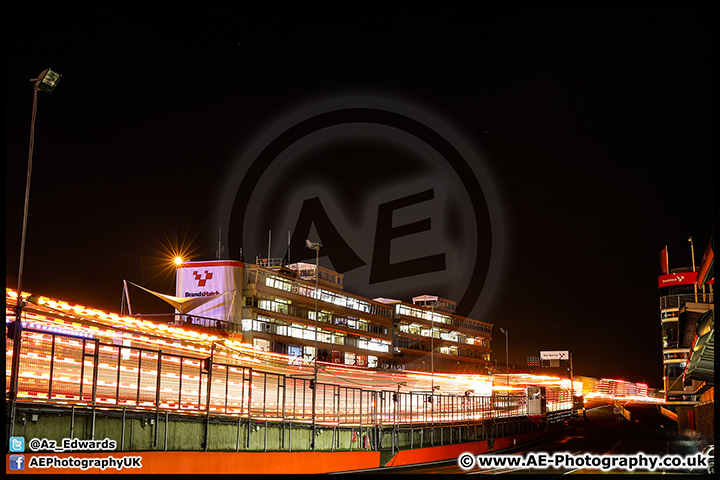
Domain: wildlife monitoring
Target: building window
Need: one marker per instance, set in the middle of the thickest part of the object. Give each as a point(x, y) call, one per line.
point(262, 344)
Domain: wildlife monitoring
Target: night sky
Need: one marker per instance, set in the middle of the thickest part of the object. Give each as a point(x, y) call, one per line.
point(590, 131)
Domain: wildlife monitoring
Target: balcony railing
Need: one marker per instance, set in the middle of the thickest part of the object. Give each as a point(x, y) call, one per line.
point(198, 321)
point(677, 301)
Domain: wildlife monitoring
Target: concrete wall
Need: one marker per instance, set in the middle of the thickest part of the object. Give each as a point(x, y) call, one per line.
point(705, 422)
point(697, 421)
point(138, 432)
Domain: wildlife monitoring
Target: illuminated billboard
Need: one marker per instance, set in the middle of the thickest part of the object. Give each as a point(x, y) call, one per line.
point(209, 278)
point(555, 355)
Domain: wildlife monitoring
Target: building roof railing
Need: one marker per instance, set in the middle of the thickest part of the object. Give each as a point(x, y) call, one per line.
point(429, 315)
point(269, 262)
point(677, 301)
point(326, 295)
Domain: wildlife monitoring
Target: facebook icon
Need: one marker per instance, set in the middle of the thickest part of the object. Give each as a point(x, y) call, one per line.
point(17, 462)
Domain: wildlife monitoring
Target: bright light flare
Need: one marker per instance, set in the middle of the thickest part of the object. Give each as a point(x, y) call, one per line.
point(173, 250)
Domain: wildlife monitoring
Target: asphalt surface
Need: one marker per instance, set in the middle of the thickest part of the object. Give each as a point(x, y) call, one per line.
point(600, 433)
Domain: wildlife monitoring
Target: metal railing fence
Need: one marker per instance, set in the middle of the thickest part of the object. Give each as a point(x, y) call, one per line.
point(678, 300)
point(56, 368)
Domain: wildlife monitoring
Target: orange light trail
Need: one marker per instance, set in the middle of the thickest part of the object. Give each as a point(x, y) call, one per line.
point(128, 336)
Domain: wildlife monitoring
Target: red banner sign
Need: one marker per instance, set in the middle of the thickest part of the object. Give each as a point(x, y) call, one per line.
point(706, 274)
point(675, 279)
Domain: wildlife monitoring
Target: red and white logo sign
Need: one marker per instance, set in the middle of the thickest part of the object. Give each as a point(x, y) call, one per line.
point(202, 278)
point(687, 278)
point(555, 355)
point(208, 279)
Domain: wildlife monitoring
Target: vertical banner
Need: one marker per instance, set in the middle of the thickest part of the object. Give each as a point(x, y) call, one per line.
point(202, 279)
point(664, 264)
point(707, 266)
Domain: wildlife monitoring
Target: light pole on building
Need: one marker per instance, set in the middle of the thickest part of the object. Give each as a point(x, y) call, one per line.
point(315, 246)
point(507, 362)
point(692, 256)
point(572, 381)
point(432, 347)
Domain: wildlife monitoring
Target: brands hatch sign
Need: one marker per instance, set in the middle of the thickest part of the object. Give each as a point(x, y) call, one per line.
point(673, 279)
point(210, 279)
point(555, 355)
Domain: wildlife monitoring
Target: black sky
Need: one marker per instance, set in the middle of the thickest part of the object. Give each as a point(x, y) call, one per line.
point(596, 123)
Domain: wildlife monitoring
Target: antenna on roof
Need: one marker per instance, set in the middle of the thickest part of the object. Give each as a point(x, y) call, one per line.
point(286, 260)
point(220, 247)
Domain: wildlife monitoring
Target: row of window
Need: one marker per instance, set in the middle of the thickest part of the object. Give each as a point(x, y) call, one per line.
point(281, 305)
point(286, 307)
point(297, 353)
point(444, 349)
point(307, 332)
point(439, 303)
point(306, 271)
point(435, 316)
point(449, 335)
point(670, 335)
point(328, 296)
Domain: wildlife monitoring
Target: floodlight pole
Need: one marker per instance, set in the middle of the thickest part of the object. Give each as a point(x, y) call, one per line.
point(17, 327)
point(432, 348)
point(432, 363)
point(315, 246)
point(507, 361)
point(692, 256)
point(572, 382)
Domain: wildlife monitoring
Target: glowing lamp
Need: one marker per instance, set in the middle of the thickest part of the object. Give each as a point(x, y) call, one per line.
point(48, 80)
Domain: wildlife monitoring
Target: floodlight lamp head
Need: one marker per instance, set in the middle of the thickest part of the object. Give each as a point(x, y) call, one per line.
point(313, 246)
point(48, 80)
